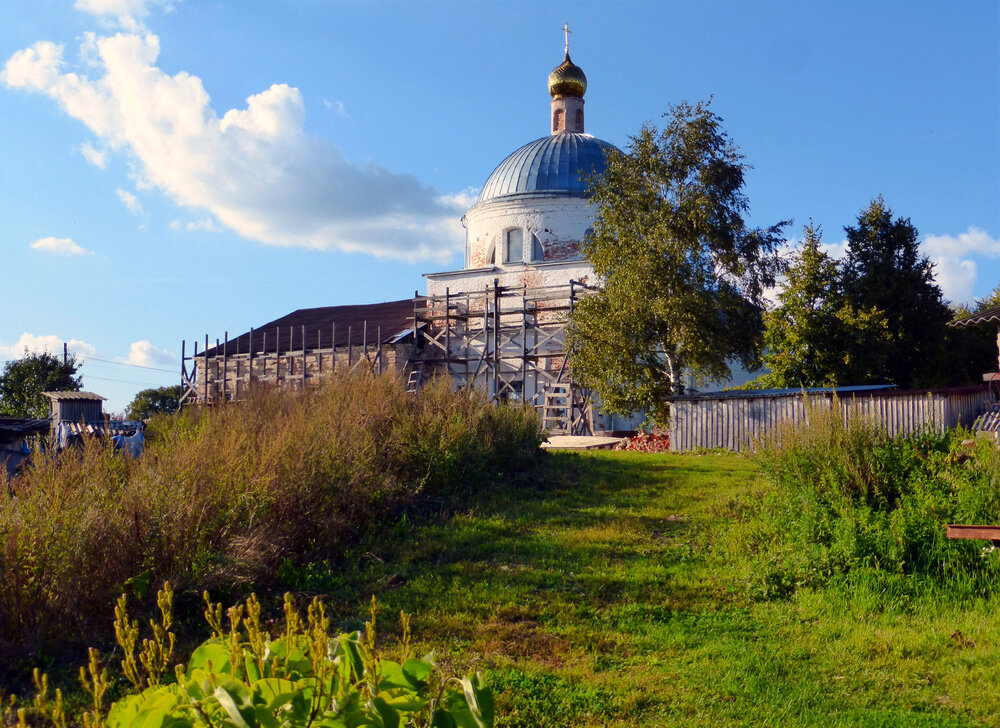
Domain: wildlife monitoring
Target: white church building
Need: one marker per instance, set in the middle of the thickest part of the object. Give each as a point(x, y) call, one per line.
point(496, 325)
point(533, 212)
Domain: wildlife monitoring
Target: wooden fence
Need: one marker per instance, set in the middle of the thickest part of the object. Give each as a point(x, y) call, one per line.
point(738, 420)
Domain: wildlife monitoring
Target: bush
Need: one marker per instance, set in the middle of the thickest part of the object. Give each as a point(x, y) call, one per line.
point(223, 497)
point(850, 501)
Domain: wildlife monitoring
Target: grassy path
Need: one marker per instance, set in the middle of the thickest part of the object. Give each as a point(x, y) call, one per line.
point(617, 595)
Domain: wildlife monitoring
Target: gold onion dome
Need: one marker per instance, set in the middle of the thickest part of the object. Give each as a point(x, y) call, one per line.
point(567, 79)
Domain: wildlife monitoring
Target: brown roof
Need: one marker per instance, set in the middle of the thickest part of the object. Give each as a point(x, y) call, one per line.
point(319, 325)
point(86, 396)
point(17, 427)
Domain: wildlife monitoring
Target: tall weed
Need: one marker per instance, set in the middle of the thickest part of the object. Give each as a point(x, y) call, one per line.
point(851, 502)
point(225, 496)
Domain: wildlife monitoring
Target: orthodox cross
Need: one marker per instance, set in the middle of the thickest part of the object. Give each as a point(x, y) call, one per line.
point(567, 31)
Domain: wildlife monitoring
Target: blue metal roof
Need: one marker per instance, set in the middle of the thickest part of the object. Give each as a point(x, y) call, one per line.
point(754, 393)
point(556, 164)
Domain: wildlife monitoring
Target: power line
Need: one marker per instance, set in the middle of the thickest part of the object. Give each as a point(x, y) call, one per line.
point(119, 381)
point(126, 364)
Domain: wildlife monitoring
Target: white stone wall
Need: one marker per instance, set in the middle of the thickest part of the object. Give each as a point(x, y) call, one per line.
point(559, 223)
point(532, 276)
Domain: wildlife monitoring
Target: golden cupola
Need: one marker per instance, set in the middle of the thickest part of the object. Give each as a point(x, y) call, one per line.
point(567, 79)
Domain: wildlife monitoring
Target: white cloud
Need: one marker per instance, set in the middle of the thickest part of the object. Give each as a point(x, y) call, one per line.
point(254, 170)
point(203, 225)
point(956, 277)
point(129, 200)
point(954, 261)
point(97, 157)
point(972, 242)
point(128, 14)
point(837, 251)
point(59, 246)
point(50, 343)
point(338, 107)
point(144, 354)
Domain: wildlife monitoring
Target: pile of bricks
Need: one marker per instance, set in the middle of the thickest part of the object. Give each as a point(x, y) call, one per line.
point(646, 442)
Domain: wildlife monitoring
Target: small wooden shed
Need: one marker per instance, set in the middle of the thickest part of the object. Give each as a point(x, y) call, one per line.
point(76, 407)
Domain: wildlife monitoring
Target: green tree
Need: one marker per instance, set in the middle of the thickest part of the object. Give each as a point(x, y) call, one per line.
point(149, 402)
point(682, 276)
point(23, 381)
point(813, 336)
point(884, 270)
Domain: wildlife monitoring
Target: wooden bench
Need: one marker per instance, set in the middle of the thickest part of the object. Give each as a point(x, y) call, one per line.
point(982, 533)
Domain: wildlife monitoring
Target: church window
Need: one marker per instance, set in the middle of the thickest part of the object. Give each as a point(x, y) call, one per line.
point(557, 120)
point(537, 254)
point(579, 119)
point(491, 253)
point(514, 246)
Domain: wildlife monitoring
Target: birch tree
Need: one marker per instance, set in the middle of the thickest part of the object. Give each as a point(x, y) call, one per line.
point(681, 274)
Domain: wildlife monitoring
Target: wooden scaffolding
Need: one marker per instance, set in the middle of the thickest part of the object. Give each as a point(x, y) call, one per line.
point(508, 342)
point(224, 373)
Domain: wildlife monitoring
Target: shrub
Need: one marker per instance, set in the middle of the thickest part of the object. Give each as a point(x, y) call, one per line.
point(851, 499)
point(223, 497)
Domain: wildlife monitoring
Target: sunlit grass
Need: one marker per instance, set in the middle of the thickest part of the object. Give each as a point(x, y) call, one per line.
point(618, 594)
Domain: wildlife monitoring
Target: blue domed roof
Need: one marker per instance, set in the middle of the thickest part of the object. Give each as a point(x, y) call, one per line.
point(558, 164)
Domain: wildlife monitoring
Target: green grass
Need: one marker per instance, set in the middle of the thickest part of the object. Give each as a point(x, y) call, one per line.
point(620, 591)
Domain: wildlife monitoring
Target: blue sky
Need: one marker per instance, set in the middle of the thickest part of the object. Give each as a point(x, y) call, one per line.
point(176, 168)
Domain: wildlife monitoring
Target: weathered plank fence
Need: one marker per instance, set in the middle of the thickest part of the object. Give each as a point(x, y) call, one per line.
point(737, 420)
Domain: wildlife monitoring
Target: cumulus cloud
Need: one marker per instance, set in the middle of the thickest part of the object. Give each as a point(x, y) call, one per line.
point(972, 242)
point(129, 200)
point(128, 14)
point(956, 277)
point(58, 246)
point(50, 343)
point(144, 354)
point(837, 251)
point(955, 267)
point(254, 169)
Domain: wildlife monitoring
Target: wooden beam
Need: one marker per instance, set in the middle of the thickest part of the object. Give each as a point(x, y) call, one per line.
point(980, 533)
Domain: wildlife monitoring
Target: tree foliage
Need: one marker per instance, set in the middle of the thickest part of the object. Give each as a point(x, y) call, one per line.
point(24, 380)
point(814, 336)
point(884, 270)
point(682, 276)
point(149, 402)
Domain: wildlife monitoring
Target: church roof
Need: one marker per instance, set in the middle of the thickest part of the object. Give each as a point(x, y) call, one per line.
point(558, 164)
point(347, 323)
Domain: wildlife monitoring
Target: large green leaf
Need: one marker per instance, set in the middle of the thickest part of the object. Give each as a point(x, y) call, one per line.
point(418, 670)
point(156, 709)
point(403, 699)
point(237, 700)
point(273, 692)
point(210, 651)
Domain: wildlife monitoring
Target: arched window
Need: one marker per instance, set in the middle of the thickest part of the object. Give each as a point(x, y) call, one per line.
point(514, 246)
point(579, 119)
point(537, 253)
point(557, 120)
